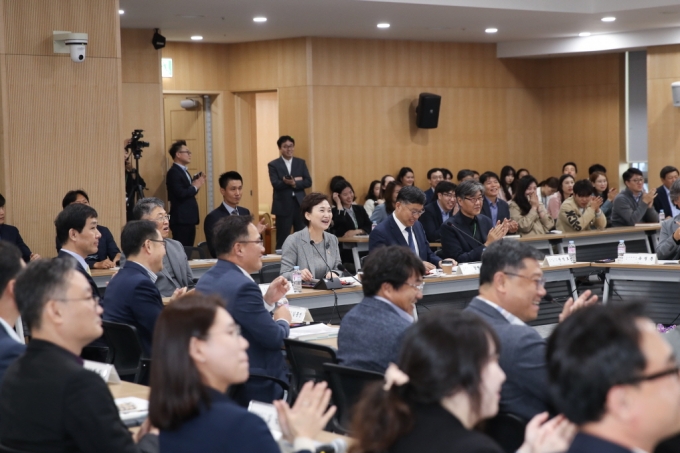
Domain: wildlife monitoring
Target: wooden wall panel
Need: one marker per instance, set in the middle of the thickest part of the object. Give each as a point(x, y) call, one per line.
point(601, 69)
point(141, 63)
point(253, 66)
point(293, 61)
point(267, 116)
point(197, 66)
point(296, 118)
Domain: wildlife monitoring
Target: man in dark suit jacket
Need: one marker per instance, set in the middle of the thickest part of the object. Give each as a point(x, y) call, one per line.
point(616, 377)
point(493, 207)
point(48, 401)
point(239, 254)
point(435, 176)
point(77, 232)
point(439, 211)
point(466, 235)
point(402, 228)
point(289, 177)
point(663, 201)
point(182, 192)
point(131, 296)
point(11, 346)
point(11, 234)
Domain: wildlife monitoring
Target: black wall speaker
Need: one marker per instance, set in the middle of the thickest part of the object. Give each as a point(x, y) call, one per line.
point(427, 112)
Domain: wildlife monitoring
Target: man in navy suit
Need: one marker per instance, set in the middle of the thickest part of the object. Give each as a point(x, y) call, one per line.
point(11, 346)
point(239, 254)
point(79, 237)
point(439, 211)
point(289, 177)
point(616, 377)
point(493, 207)
point(434, 175)
point(467, 234)
point(403, 228)
point(663, 198)
point(11, 234)
point(182, 190)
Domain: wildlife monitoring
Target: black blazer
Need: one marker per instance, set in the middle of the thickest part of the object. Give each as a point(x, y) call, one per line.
point(212, 218)
point(11, 234)
point(79, 268)
point(457, 241)
point(50, 403)
point(107, 247)
point(182, 197)
point(10, 350)
point(388, 233)
point(282, 203)
point(661, 202)
point(503, 209)
point(342, 221)
point(429, 196)
point(438, 430)
point(585, 443)
point(431, 220)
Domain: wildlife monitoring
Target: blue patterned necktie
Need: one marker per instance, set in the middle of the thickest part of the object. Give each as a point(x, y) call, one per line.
point(411, 244)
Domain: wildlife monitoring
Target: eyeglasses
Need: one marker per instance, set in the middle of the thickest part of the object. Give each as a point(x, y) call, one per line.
point(448, 194)
point(418, 287)
point(637, 180)
point(94, 298)
point(636, 380)
point(185, 152)
point(163, 218)
point(259, 242)
point(158, 240)
point(474, 200)
point(539, 283)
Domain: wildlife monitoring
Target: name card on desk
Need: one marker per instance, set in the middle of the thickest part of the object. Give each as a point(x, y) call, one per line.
point(468, 268)
point(106, 371)
point(638, 258)
point(300, 314)
point(556, 260)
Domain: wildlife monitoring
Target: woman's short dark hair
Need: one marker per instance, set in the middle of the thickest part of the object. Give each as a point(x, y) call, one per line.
point(71, 197)
point(402, 172)
point(583, 188)
point(283, 139)
point(177, 391)
point(342, 185)
point(551, 182)
point(309, 202)
point(135, 233)
point(570, 163)
point(446, 172)
point(393, 264)
point(389, 194)
point(176, 147)
point(562, 179)
point(520, 193)
point(74, 216)
point(370, 195)
point(444, 353)
point(228, 230)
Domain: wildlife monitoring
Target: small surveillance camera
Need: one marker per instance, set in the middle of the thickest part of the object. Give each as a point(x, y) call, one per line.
point(77, 49)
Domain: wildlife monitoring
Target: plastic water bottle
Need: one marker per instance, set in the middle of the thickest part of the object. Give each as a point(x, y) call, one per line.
point(375, 224)
point(571, 250)
point(297, 280)
point(662, 216)
point(621, 249)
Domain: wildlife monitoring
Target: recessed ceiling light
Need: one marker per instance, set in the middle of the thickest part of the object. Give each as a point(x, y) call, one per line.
point(608, 19)
point(121, 11)
point(491, 30)
point(584, 33)
point(383, 25)
point(196, 38)
point(259, 19)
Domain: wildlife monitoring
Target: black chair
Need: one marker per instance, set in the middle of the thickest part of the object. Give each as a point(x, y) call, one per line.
point(507, 430)
point(306, 361)
point(102, 354)
point(269, 272)
point(194, 253)
point(347, 384)
point(236, 392)
point(128, 355)
point(205, 252)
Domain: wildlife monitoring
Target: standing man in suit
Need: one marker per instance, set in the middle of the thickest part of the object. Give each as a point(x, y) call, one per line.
point(182, 190)
point(239, 253)
point(439, 211)
point(289, 177)
point(435, 176)
point(79, 237)
point(663, 200)
point(511, 286)
point(616, 377)
point(493, 207)
point(48, 401)
point(11, 234)
point(467, 234)
point(403, 228)
point(11, 346)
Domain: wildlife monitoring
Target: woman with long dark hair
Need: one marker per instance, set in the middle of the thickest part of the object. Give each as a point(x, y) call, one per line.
point(381, 212)
point(373, 197)
point(527, 210)
point(406, 177)
point(602, 190)
point(565, 190)
point(507, 181)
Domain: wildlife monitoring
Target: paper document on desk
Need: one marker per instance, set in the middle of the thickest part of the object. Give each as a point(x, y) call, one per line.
point(132, 410)
point(313, 332)
point(265, 286)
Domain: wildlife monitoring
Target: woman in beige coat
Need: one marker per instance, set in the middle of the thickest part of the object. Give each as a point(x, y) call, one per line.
point(526, 209)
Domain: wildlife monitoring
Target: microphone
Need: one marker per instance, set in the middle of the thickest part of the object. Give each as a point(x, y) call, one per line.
point(344, 269)
point(326, 283)
point(471, 237)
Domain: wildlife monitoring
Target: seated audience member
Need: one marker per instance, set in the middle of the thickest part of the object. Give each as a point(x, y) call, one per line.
point(334, 181)
point(521, 173)
point(78, 235)
point(373, 197)
point(438, 212)
point(239, 253)
point(465, 175)
point(434, 176)
point(199, 354)
point(663, 200)
point(527, 210)
point(448, 176)
point(602, 190)
point(231, 188)
point(616, 377)
point(11, 234)
point(447, 381)
point(11, 346)
point(403, 228)
point(546, 188)
point(299, 247)
point(406, 177)
point(669, 237)
point(371, 332)
point(48, 401)
point(507, 183)
point(634, 205)
point(108, 253)
point(349, 219)
point(581, 212)
point(131, 296)
point(597, 167)
point(176, 272)
point(511, 286)
point(465, 235)
point(569, 168)
point(566, 189)
point(475, 175)
point(383, 211)
point(493, 206)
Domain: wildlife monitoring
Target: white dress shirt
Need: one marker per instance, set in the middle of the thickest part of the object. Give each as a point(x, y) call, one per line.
point(12, 334)
point(512, 319)
point(186, 172)
point(402, 228)
point(79, 258)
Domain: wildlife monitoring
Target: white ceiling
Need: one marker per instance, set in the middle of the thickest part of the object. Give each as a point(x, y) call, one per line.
point(227, 21)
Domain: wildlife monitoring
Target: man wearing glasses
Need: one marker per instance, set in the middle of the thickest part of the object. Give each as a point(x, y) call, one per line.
point(511, 287)
point(182, 190)
point(437, 212)
point(615, 376)
point(634, 205)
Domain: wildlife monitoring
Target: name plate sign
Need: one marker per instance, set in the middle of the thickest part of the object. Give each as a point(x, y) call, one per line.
point(556, 260)
point(468, 268)
point(638, 258)
point(106, 371)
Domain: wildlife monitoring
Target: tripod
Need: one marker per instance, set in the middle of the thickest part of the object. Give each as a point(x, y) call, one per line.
point(136, 192)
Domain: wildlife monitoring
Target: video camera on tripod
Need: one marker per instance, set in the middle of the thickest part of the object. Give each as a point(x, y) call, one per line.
point(135, 191)
point(136, 144)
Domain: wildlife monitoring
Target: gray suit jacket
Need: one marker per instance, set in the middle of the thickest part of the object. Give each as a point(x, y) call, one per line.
point(297, 251)
point(176, 259)
point(522, 358)
point(627, 212)
point(668, 249)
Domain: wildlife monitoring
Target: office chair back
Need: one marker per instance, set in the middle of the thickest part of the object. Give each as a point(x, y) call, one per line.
point(269, 272)
point(306, 360)
point(239, 394)
point(127, 349)
point(507, 430)
point(194, 253)
point(203, 250)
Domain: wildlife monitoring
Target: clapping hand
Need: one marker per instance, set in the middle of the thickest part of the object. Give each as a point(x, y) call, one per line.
point(571, 305)
point(310, 413)
point(648, 197)
point(497, 232)
point(596, 203)
point(550, 436)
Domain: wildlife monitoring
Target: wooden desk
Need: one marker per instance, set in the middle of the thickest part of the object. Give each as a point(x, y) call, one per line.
point(546, 243)
point(597, 245)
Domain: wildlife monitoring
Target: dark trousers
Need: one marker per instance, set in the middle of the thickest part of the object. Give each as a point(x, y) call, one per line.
point(186, 234)
point(285, 222)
